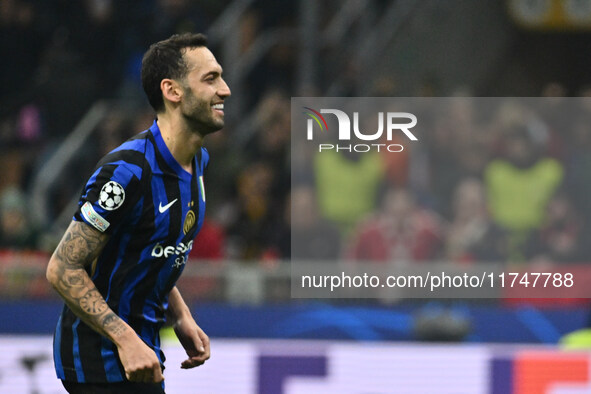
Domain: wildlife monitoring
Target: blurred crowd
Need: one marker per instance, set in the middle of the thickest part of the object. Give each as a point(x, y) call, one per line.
point(509, 187)
point(65, 56)
point(497, 180)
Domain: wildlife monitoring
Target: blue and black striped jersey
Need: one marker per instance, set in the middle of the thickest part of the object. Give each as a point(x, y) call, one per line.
point(153, 209)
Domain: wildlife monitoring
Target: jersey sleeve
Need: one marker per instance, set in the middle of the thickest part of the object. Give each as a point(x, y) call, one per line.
point(108, 197)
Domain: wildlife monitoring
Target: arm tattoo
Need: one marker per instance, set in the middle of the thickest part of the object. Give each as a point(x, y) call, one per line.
point(73, 281)
point(93, 303)
point(80, 245)
point(113, 324)
point(78, 248)
point(73, 278)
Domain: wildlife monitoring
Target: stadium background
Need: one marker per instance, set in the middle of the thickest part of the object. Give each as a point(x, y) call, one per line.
point(70, 92)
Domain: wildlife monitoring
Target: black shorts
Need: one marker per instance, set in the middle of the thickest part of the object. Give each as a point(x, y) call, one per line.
point(113, 388)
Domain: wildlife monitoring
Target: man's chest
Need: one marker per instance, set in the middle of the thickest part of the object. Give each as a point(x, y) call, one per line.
point(172, 209)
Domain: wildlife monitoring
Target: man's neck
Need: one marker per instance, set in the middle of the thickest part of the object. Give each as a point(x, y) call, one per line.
point(182, 143)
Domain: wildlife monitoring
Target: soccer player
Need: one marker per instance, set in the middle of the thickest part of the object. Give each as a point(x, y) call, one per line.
point(118, 261)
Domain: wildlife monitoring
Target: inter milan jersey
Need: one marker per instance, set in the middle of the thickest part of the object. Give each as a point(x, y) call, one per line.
point(153, 209)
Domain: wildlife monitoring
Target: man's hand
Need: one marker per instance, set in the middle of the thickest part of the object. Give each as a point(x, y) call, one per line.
point(191, 336)
point(194, 341)
point(139, 361)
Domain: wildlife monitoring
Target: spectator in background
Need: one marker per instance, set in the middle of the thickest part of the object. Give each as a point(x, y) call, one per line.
point(400, 231)
point(471, 235)
point(520, 185)
point(557, 113)
point(247, 234)
point(210, 243)
point(396, 165)
point(313, 237)
point(13, 168)
point(458, 147)
point(347, 184)
point(16, 229)
point(443, 167)
point(578, 163)
point(271, 142)
point(562, 237)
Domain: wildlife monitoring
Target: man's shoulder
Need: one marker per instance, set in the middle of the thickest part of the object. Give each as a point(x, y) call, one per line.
point(132, 154)
point(136, 143)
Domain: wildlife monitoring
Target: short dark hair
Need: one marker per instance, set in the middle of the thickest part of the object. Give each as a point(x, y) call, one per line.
point(164, 59)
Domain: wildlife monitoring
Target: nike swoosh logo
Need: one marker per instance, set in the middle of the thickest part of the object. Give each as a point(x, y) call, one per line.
point(163, 209)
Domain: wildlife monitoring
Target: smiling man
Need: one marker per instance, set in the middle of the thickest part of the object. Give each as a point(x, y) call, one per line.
point(117, 263)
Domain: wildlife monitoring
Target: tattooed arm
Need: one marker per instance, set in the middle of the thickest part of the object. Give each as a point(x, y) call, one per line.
point(79, 247)
point(66, 271)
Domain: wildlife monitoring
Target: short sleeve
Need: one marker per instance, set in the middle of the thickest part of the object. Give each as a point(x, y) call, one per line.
point(109, 195)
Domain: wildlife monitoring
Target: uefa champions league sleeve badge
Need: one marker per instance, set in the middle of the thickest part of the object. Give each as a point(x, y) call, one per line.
point(111, 196)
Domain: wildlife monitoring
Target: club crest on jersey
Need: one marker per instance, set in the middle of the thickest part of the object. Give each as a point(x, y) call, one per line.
point(111, 196)
point(189, 221)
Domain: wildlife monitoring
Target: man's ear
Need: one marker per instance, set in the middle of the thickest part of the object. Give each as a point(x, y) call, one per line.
point(171, 90)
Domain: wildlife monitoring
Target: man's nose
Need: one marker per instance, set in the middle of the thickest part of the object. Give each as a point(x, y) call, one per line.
point(224, 90)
